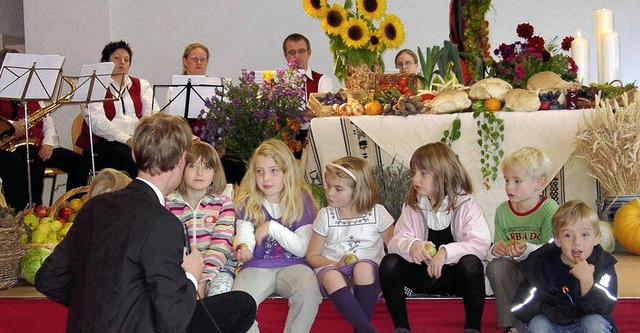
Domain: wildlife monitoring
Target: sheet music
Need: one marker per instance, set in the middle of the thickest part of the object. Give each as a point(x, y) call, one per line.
point(15, 72)
point(100, 84)
point(204, 86)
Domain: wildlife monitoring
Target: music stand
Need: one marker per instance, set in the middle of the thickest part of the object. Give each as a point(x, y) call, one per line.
point(30, 77)
point(93, 82)
point(188, 94)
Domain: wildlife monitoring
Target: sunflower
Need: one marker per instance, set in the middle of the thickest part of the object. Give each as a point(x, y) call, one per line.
point(334, 19)
point(371, 9)
point(355, 34)
point(375, 41)
point(392, 31)
point(315, 8)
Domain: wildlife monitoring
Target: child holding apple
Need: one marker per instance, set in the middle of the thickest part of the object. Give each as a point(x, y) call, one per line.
point(347, 242)
point(207, 216)
point(274, 218)
point(569, 285)
point(522, 224)
point(439, 211)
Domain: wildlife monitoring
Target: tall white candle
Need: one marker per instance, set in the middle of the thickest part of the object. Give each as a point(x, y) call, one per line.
point(604, 24)
point(610, 44)
point(580, 55)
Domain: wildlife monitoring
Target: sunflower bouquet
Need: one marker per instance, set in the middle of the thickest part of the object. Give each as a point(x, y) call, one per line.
point(358, 35)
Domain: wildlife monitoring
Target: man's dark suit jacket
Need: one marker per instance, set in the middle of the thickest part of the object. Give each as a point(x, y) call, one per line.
point(119, 267)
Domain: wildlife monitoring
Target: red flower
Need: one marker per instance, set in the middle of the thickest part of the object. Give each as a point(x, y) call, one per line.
point(566, 43)
point(536, 43)
point(524, 30)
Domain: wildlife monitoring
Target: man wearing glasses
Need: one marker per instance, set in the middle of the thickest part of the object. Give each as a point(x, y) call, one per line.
point(297, 46)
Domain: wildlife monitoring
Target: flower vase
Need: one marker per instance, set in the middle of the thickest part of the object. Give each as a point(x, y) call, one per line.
point(361, 77)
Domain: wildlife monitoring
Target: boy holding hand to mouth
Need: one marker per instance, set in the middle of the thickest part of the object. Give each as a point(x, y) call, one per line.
point(571, 284)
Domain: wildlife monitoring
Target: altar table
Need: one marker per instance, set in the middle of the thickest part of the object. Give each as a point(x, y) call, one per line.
point(386, 140)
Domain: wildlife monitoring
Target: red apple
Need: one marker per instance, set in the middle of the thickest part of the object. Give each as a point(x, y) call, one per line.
point(41, 211)
point(62, 220)
point(65, 212)
point(544, 105)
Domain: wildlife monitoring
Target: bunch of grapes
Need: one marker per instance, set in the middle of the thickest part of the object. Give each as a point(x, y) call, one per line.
point(549, 100)
point(330, 99)
point(589, 93)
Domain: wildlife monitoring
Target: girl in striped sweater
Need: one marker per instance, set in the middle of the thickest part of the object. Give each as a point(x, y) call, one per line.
point(207, 216)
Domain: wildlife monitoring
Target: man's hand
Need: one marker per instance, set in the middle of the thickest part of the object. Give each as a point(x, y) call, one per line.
point(18, 125)
point(193, 262)
point(45, 152)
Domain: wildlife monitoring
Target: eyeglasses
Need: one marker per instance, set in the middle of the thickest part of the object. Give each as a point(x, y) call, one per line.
point(196, 59)
point(299, 52)
point(404, 64)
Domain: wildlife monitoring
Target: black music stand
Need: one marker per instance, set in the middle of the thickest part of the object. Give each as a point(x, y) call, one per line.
point(190, 93)
point(93, 82)
point(30, 77)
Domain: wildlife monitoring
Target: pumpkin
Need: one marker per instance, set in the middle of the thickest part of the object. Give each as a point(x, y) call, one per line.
point(626, 226)
point(607, 241)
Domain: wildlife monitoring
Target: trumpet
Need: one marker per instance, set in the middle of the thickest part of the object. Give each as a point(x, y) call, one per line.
point(9, 142)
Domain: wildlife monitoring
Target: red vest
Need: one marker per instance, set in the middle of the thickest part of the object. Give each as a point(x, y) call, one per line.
point(312, 83)
point(7, 112)
point(110, 112)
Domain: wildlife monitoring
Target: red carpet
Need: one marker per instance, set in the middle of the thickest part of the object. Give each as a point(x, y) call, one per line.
point(433, 315)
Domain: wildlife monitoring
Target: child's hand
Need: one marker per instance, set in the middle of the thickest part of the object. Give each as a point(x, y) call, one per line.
point(499, 249)
point(261, 232)
point(583, 271)
point(243, 253)
point(516, 249)
point(435, 265)
point(418, 253)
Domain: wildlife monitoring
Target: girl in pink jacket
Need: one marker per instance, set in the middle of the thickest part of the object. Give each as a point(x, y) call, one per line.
point(439, 212)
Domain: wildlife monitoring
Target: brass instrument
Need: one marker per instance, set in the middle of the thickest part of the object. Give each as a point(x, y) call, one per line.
point(9, 142)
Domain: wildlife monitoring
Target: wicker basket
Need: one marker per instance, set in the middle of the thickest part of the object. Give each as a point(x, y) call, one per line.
point(10, 253)
point(74, 192)
point(327, 110)
point(391, 79)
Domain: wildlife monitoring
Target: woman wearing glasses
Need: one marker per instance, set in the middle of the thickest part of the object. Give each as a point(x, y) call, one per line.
point(195, 59)
point(407, 62)
point(113, 121)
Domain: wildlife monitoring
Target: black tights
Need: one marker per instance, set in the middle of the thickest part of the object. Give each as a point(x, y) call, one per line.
point(466, 278)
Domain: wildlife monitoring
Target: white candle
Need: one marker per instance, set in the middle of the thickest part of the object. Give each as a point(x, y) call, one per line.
point(580, 55)
point(604, 24)
point(610, 44)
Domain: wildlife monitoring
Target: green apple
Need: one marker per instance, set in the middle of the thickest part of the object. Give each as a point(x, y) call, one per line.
point(350, 259)
point(431, 250)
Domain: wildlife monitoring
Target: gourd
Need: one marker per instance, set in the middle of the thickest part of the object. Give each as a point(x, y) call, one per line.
point(607, 241)
point(626, 226)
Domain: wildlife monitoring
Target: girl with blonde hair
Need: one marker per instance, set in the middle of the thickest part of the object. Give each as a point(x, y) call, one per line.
point(274, 218)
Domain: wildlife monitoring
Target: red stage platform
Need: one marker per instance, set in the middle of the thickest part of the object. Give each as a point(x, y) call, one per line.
point(18, 315)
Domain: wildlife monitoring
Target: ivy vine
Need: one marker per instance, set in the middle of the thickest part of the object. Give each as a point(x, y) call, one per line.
point(491, 133)
point(453, 133)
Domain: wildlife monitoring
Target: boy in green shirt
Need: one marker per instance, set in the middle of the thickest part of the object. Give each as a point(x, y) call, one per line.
point(522, 225)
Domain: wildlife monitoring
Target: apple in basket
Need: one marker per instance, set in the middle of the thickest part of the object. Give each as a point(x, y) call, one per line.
point(41, 211)
point(65, 212)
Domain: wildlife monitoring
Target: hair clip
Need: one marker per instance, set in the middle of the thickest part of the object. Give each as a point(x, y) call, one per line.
point(351, 174)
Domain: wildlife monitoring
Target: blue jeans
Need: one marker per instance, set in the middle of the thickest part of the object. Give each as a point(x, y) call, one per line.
point(593, 323)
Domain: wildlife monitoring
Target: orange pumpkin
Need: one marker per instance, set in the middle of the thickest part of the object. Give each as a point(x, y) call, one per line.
point(626, 226)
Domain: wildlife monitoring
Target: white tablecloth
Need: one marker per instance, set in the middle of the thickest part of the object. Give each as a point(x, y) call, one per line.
point(383, 139)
